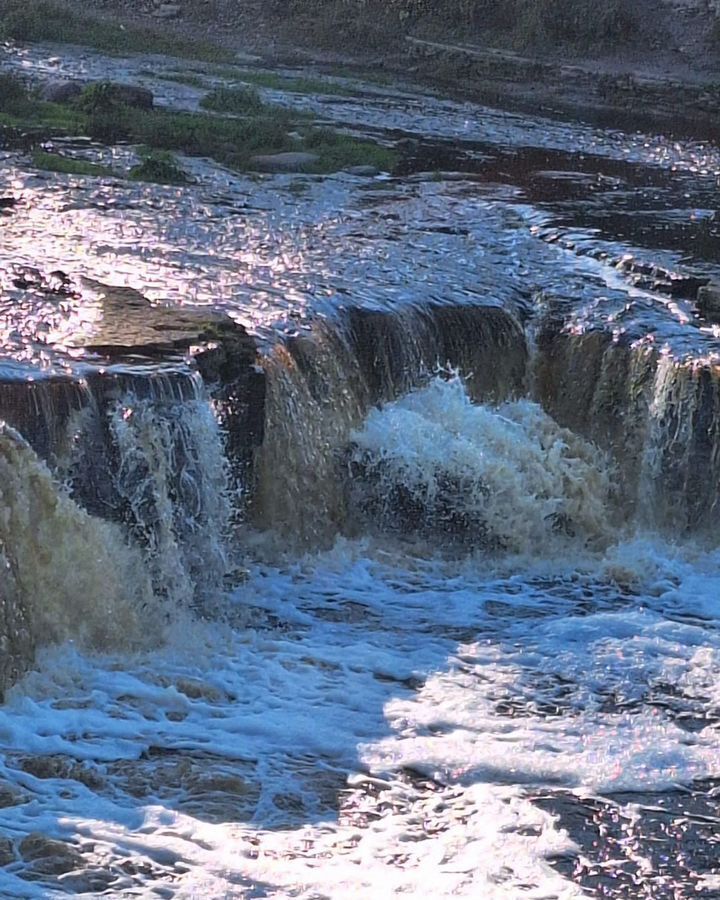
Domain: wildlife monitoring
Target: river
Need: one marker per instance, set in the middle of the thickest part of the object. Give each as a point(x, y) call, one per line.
point(451, 628)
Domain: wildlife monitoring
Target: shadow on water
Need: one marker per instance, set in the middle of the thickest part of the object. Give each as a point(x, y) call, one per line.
point(645, 206)
point(269, 737)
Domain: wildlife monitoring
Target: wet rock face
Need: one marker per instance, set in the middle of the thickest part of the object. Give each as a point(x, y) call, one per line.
point(60, 90)
point(485, 343)
point(78, 344)
point(657, 415)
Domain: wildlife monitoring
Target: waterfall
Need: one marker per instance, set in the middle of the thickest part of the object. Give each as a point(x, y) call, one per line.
point(121, 490)
point(172, 477)
point(69, 575)
point(656, 413)
point(321, 386)
point(126, 522)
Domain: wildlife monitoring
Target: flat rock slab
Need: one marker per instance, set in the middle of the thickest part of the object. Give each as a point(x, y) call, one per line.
point(362, 171)
point(81, 320)
point(292, 161)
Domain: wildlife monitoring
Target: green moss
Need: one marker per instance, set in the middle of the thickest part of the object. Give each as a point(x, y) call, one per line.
point(340, 151)
point(54, 162)
point(235, 100)
point(160, 167)
point(46, 20)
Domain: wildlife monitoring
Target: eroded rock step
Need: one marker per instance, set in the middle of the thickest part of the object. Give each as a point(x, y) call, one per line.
point(654, 408)
point(85, 357)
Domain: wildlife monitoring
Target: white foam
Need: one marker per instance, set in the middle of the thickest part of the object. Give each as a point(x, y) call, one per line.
point(379, 718)
point(511, 468)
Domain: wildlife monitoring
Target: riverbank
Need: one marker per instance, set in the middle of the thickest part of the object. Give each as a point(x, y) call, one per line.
point(660, 69)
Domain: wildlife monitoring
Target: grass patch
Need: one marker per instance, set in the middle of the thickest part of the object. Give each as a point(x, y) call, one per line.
point(55, 162)
point(14, 95)
point(159, 167)
point(235, 100)
point(46, 20)
point(231, 141)
point(20, 108)
point(383, 79)
point(340, 151)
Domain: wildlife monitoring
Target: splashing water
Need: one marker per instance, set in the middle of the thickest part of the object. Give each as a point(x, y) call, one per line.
point(72, 576)
point(506, 477)
point(385, 716)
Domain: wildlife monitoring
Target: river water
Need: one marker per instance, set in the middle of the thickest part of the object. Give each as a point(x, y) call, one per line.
point(493, 676)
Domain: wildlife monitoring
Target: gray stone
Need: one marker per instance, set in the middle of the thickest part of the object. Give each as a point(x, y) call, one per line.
point(285, 162)
point(708, 302)
point(59, 90)
point(50, 857)
point(7, 852)
point(10, 796)
point(363, 171)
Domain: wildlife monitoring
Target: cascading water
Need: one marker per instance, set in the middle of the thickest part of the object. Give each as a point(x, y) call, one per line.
point(459, 636)
point(476, 610)
point(321, 386)
point(172, 480)
point(154, 467)
point(76, 575)
point(656, 414)
point(500, 478)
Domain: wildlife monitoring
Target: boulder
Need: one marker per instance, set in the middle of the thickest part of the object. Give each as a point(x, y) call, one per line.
point(132, 95)
point(285, 162)
point(59, 90)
